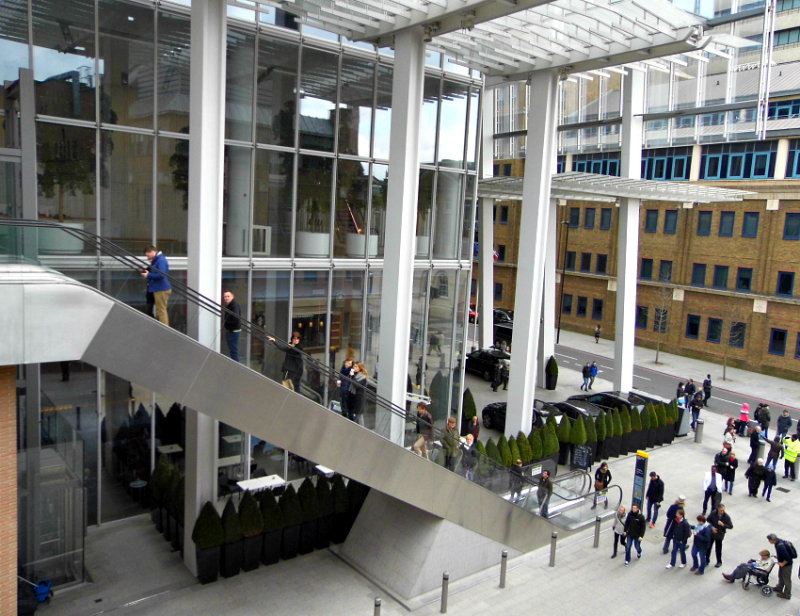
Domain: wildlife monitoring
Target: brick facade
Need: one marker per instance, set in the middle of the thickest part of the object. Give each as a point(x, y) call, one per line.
point(8, 491)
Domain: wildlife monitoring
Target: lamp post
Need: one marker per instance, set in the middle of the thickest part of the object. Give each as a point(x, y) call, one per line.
point(563, 274)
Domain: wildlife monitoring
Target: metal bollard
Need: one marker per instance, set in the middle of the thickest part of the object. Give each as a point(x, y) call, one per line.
point(762, 450)
point(597, 531)
point(445, 584)
point(503, 565)
point(553, 539)
point(377, 610)
point(698, 431)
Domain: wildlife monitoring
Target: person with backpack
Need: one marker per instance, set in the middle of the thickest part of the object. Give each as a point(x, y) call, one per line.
point(764, 418)
point(785, 553)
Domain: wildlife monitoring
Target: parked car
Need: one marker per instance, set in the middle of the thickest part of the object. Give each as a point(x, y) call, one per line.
point(574, 408)
point(634, 399)
point(483, 362)
point(502, 316)
point(494, 415)
point(503, 333)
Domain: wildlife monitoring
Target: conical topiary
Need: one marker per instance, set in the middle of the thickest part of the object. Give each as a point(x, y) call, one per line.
point(625, 419)
point(505, 451)
point(515, 454)
point(524, 448)
point(480, 447)
point(207, 532)
point(564, 427)
point(617, 422)
point(469, 409)
point(339, 490)
point(271, 514)
point(591, 431)
point(324, 497)
point(636, 421)
point(550, 445)
point(309, 504)
point(231, 528)
point(600, 426)
point(159, 480)
point(535, 441)
point(493, 452)
point(661, 414)
point(551, 421)
point(290, 507)
point(578, 432)
point(250, 520)
point(609, 424)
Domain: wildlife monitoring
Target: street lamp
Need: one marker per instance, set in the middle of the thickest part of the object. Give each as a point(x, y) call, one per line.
point(563, 274)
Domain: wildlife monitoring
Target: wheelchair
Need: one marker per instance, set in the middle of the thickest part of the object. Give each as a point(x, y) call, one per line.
point(759, 577)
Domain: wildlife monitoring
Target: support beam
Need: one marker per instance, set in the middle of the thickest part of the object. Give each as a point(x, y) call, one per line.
point(550, 302)
point(534, 225)
point(401, 218)
point(485, 300)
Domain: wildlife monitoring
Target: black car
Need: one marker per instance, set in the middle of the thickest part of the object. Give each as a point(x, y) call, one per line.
point(618, 399)
point(494, 415)
point(483, 362)
point(574, 408)
point(502, 316)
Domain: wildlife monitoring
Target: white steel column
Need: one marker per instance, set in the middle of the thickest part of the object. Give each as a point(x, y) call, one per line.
point(534, 226)
point(485, 300)
point(547, 338)
point(206, 147)
point(401, 219)
point(628, 233)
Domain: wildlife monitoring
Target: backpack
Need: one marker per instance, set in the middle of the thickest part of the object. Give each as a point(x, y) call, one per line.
point(790, 548)
point(757, 412)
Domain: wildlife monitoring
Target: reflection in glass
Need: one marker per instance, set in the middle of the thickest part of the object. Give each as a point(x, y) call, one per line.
point(355, 108)
point(318, 99)
point(417, 342)
point(373, 320)
point(236, 283)
point(383, 113)
point(231, 459)
point(347, 317)
point(657, 90)
point(272, 207)
point(472, 127)
point(173, 72)
point(310, 318)
point(239, 86)
point(424, 207)
point(313, 206)
point(126, 61)
point(353, 235)
point(269, 309)
point(467, 220)
point(126, 208)
point(377, 220)
point(449, 204)
point(14, 51)
point(276, 82)
point(236, 201)
point(443, 296)
point(453, 125)
point(458, 339)
point(427, 125)
point(172, 213)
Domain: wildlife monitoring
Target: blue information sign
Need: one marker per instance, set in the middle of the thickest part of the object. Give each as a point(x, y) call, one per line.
point(639, 478)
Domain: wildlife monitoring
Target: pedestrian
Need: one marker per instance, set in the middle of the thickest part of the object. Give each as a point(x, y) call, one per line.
point(469, 457)
point(346, 373)
point(770, 479)
point(720, 522)
point(669, 526)
point(498, 375)
point(784, 425)
point(592, 374)
point(232, 322)
point(619, 530)
point(721, 461)
point(680, 393)
point(763, 416)
point(470, 425)
point(775, 452)
point(754, 476)
point(681, 531)
point(712, 483)
point(654, 495)
point(587, 375)
point(785, 560)
point(358, 397)
point(764, 563)
point(689, 389)
point(730, 474)
point(791, 449)
point(755, 443)
point(695, 405)
point(450, 442)
point(543, 493)
point(424, 429)
point(730, 437)
point(602, 479)
point(702, 541)
point(157, 282)
point(634, 531)
point(515, 480)
point(292, 368)
point(706, 389)
point(597, 334)
point(505, 367)
point(744, 419)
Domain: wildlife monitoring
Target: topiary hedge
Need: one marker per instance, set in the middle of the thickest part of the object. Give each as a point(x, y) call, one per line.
point(600, 426)
point(578, 432)
point(591, 431)
point(505, 451)
point(564, 428)
point(469, 409)
point(535, 441)
point(231, 528)
point(524, 448)
point(207, 532)
point(250, 520)
point(271, 514)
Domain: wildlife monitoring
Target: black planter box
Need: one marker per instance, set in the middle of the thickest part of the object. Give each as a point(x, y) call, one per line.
point(174, 535)
point(651, 438)
point(165, 529)
point(271, 547)
point(637, 441)
point(207, 564)
point(290, 541)
point(625, 444)
point(600, 453)
point(324, 527)
point(308, 537)
point(340, 528)
point(155, 515)
point(251, 552)
point(230, 559)
point(564, 453)
point(658, 436)
point(550, 381)
point(613, 446)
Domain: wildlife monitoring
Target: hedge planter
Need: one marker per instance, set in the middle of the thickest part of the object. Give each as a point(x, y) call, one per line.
point(207, 564)
point(651, 438)
point(625, 444)
point(271, 547)
point(324, 529)
point(165, 525)
point(174, 537)
point(613, 446)
point(638, 440)
point(564, 453)
point(290, 541)
point(155, 515)
point(251, 552)
point(230, 559)
point(308, 537)
point(550, 381)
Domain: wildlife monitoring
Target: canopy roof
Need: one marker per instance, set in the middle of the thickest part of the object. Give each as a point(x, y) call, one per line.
point(596, 187)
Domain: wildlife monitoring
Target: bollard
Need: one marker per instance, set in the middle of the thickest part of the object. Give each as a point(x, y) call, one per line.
point(503, 565)
point(377, 610)
point(445, 584)
point(597, 532)
point(698, 431)
point(762, 449)
point(553, 539)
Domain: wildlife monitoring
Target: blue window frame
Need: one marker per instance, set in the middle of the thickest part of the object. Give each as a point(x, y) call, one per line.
point(566, 305)
point(641, 317)
point(503, 214)
point(665, 271)
point(574, 217)
point(744, 279)
point(586, 261)
point(570, 264)
point(699, 274)
point(680, 167)
point(605, 219)
point(651, 221)
point(785, 286)
point(613, 167)
point(670, 221)
point(588, 218)
point(714, 330)
point(704, 222)
point(692, 326)
point(777, 341)
point(737, 334)
point(582, 303)
point(597, 309)
point(750, 224)
point(713, 168)
point(646, 270)
point(760, 165)
point(791, 226)
point(736, 166)
point(601, 264)
point(797, 348)
point(660, 168)
point(720, 277)
point(726, 222)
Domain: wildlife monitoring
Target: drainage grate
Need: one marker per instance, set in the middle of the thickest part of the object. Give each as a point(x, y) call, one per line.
point(787, 490)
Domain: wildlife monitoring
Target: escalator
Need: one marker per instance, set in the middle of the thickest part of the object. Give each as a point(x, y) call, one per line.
point(44, 306)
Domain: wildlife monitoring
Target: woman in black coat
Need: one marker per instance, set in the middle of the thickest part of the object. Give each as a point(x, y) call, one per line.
point(359, 401)
point(292, 367)
point(754, 476)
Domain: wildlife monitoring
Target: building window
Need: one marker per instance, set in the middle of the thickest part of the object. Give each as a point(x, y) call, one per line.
point(670, 221)
point(597, 309)
point(660, 320)
point(744, 279)
point(503, 214)
point(473, 287)
point(651, 221)
point(720, 277)
point(665, 271)
point(704, 223)
point(501, 253)
point(777, 341)
point(791, 227)
point(646, 271)
point(692, 326)
point(566, 305)
point(570, 264)
point(785, 284)
point(750, 224)
point(737, 334)
point(574, 217)
point(600, 264)
point(726, 220)
point(605, 219)
point(582, 303)
point(586, 261)
point(588, 218)
point(507, 169)
point(797, 348)
point(641, 317)
point(699, 274)
point(498, 291)
point(714, 332)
